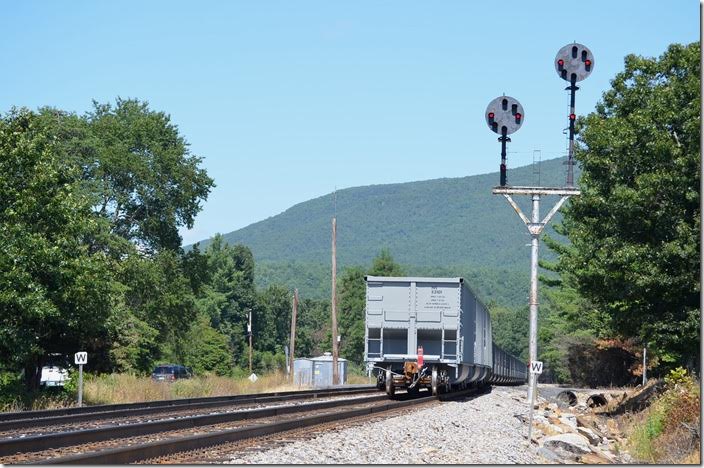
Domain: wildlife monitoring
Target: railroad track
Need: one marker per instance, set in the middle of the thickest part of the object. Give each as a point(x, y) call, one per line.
point(39, 422)
point(54, 441)
point(224, 452)
point(40, 414)
point(159, 440)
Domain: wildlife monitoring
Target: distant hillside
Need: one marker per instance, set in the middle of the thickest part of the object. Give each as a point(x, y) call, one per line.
point(455, 224)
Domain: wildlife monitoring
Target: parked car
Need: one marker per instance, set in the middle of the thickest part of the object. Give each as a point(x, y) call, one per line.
point(171, 372)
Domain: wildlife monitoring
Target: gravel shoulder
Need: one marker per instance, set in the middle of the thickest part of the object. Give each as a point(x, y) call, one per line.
point(476, 430)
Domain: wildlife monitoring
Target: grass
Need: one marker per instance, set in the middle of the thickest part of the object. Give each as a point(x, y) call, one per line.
point(667, 432)
point(126, 388)
point(43, 400)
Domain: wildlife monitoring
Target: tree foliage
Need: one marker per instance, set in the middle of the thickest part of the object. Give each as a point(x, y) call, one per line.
point(54, 294)
point(352, 298)
point(634, 231)
point(90, 208)
point(147, 182)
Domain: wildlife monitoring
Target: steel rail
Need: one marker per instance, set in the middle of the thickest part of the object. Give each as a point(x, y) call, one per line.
point(50, 441)
point(159, 403)
point(182, 444)
point(178, 405)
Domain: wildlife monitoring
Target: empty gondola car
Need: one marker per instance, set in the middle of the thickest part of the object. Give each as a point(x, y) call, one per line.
point(432, 333)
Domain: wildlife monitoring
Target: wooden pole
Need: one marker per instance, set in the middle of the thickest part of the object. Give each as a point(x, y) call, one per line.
point(293, 331)
point(335, 370)
point(249, 330)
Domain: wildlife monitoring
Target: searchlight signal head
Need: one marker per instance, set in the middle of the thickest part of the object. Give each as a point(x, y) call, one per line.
point(574, 62)
point(504, 115)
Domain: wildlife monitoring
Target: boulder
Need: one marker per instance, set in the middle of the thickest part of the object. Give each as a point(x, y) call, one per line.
point(549, 454)
point(594, 459)
point(593, 438)
point(565, 428)
point(550, 429)
point(585, 421)
point(568, 444)
point(569, 420)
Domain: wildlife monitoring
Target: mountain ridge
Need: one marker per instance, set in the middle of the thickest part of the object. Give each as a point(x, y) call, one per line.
point(449, 223)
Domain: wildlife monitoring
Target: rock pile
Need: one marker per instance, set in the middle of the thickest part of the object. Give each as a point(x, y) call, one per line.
point(566, 434)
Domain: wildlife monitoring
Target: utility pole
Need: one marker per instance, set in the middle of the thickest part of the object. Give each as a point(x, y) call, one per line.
point(335, 370)
point(293, 331)
point(249, 332)
point(645, 362)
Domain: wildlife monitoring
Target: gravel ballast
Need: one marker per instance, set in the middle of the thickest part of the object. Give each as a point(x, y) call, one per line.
point(480, 429)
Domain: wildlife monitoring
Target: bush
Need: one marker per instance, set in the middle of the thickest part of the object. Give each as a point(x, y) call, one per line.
point(15, 397)
point(208, 351)
point(669, 430)
point(11, 391)
point(267, 362)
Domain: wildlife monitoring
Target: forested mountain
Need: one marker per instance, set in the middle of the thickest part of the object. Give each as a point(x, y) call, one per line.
point(452, 226)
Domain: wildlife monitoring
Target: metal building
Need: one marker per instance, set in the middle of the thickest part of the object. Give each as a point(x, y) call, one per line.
point(303, 372)
point(317, 372)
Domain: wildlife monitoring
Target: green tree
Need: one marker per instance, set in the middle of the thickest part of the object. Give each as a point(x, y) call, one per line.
point(384, 265)
point(134, 343)
point(271, 322)
point(634, 232)
point(54, 293)
point(351, 300)
point(230, 293)
point(207, 350)
point(159, 295)
point(510, 329)
point(314, 328)
point(146, 182)
point(351, 304)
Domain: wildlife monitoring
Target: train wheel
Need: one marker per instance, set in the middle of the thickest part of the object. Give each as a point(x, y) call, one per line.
point(414, 390)
point(434, 381)
point(390, 389)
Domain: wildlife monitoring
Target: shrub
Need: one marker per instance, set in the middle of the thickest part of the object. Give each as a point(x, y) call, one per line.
point(669, 429)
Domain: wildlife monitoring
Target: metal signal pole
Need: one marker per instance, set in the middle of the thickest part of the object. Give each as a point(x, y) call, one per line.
point(535, 228)
point(504, 115)
point(573, 63)
point(335, 370)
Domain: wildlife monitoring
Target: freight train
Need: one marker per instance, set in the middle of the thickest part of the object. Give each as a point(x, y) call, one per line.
point(432, 333)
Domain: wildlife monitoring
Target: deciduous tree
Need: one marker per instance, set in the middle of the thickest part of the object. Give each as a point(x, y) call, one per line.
point(634, 232)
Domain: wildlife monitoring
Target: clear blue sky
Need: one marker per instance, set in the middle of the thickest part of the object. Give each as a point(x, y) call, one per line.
point(286, 100)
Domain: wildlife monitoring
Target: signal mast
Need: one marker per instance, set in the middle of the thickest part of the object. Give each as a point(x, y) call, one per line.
point(504, 115)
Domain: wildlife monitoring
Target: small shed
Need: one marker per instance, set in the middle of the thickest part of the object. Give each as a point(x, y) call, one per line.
point(317, 371)
point(303, 372)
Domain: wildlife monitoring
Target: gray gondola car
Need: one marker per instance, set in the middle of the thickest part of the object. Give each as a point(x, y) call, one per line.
point(432, 333)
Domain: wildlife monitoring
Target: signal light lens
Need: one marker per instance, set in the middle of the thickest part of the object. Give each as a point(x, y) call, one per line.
point(572, 116)
point(587, 62)
point(491, 115)
point(560, 62)
point(518, 116)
